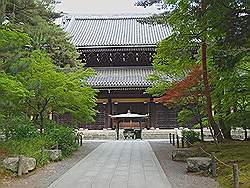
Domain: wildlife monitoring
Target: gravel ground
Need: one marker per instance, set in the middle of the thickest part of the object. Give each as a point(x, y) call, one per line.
point(43, 177)
point(176, 171)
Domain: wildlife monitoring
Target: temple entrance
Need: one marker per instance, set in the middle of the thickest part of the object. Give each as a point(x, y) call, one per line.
point(135, 107)
point(129, 119)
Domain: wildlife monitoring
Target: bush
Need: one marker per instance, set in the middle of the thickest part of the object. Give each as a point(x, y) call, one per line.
point(18, 127)
point(28, 147)
point(62, 136)
point(191, 136)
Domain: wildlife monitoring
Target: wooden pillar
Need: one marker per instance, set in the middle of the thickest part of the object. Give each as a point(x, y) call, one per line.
point(117, 130)
point(109, 112)
point(152, 119)
point(148, 121)
point(140, 128)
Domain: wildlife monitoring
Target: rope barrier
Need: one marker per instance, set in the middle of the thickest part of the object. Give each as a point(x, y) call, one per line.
point(241, 173)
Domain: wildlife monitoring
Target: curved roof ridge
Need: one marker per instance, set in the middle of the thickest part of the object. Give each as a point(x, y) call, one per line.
point(108, 16)
point(114, 31)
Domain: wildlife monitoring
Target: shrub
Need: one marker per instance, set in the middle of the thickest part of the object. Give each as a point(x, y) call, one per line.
point(64, 137)
point(29, 147)
point(18, 127)
point(191, 136)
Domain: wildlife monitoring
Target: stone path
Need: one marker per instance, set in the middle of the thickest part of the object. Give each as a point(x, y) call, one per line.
point(123, 164)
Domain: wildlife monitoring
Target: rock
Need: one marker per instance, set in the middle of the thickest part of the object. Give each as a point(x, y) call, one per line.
point(181, 154)
point(197, 164)
point(54, 155)
point(28, 164)
point(11, 163)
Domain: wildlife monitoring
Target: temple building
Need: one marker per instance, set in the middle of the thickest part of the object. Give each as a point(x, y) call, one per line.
point(120, 49)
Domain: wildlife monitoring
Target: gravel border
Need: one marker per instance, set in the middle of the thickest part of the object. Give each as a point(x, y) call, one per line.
point(176, 171)
point(43, 177)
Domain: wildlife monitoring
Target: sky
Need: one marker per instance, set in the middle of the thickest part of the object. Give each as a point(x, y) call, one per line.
point(93, 7)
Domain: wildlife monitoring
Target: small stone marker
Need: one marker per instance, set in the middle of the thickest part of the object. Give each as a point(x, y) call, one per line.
point(197, 164)
point(55, 154)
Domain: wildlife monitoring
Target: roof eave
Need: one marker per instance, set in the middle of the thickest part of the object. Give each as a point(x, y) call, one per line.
point(118, 46)
point(121, 87)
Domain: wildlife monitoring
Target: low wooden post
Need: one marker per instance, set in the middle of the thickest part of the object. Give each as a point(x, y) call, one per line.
point(236, 183)
point(213, 165)
point(173, 139)
point(20, 166)
point(177, 141)
point(170, 138)
point(182, 142)
point(80, 139)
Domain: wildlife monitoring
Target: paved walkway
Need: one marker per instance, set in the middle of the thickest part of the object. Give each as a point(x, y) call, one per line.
point(116, 164)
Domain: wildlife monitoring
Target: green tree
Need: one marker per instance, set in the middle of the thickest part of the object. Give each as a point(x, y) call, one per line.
point(12, 92)
point(36, 18)
point(55, 90)
point(24, 11)
point(51, 38)
point(203, 26)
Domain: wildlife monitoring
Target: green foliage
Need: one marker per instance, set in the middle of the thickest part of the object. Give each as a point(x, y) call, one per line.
point(12, 92)
point(223, 26)
point(227, 152)
point(23, 11)
point(35, 19)
point(160, 84)
point(34, 55)
point(185, 116)
point(13, 47)
point(191, 136)
point(31, 147)
point(56, 90)
point(238, 119)
point(22, 138)
point(18, 127)
point(64, 137)
point(49, 37)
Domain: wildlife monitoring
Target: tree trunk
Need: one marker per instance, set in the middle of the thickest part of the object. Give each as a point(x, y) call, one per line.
point(225, 130)
point(41, 122)
point(217, 136)
point(201, 126)
point(211, 122)
point(245, 129)
point(198, 117)
point(2, 10)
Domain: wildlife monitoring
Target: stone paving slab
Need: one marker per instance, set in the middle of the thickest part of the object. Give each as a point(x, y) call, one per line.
point(123, 164)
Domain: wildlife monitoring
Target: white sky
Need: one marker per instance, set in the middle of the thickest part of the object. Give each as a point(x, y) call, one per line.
point(103, 7)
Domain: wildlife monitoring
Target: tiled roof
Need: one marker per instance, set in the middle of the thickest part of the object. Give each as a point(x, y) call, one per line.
point(114, 31)
point(121, 77)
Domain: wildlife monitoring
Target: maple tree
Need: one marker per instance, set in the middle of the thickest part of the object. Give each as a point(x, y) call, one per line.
point(188, 91)
point(182, 88)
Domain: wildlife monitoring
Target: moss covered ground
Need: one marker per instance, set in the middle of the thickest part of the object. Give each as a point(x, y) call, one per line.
point(228, 152)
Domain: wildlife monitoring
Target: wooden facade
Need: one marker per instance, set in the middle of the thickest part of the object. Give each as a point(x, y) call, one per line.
point(121, 51)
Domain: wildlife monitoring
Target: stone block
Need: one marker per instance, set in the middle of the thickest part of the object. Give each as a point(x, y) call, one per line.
point(11, 163)
point(55, 154)
point(28, 164)
point(197, 164)
point(181, 154)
